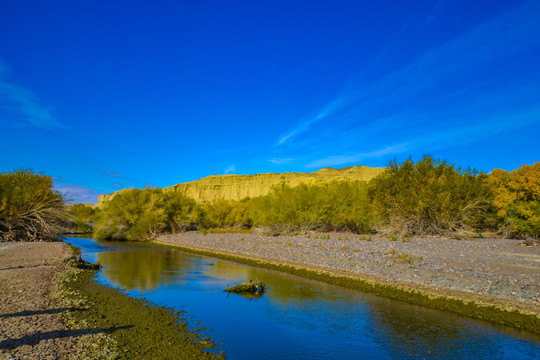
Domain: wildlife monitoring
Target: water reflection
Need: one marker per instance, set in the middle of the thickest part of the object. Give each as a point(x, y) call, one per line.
point(291, 289)
point(297, 318)
point(145, 268)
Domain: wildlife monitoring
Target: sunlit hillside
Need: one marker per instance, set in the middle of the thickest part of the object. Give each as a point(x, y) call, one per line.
point(237, 187)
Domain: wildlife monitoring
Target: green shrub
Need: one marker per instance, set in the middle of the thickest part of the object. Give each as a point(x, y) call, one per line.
point(30, 209)
point(82, 227)
point(143, 214)
point(337, 205)
point(82, 211)
point(227, 214)
point(430, 197)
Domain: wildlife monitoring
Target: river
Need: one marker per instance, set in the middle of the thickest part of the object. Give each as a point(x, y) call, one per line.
point(296, 318)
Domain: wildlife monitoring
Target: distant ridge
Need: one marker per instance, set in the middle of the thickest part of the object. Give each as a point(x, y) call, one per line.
point(238, 187)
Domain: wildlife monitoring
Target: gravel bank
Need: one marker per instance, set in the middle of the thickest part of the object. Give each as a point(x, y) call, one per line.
point(30, 323)
point(490, 267)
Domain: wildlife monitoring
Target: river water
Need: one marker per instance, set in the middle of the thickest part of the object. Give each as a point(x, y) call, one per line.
point(296, 318)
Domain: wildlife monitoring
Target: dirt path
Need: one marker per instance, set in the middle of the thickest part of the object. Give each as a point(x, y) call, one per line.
point(30, 324)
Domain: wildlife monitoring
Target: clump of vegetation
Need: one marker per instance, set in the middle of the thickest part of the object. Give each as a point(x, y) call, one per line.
point(335, 206)
point(82, 217)
point(82, 227)
point(30, 209)
point(143, 214)
point(402, 258)
point(430, 197)
point(517, 200)
point(83, 212)
point(225, 214)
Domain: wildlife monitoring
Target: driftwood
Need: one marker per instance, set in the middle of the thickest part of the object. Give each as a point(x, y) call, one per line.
point(253, 287)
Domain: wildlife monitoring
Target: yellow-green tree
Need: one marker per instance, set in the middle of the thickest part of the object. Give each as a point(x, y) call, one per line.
point(137, 214)
point(517, 200)
point(430, 197)
point(337, 205)
point(227, 213)
point(82, 211)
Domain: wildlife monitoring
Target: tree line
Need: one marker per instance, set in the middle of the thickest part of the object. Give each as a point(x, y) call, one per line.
point(428, 197)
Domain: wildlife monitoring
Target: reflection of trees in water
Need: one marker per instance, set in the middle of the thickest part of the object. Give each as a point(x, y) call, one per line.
point(144, 268)
point(226, 270)
point(412, 332)
point(284, 288)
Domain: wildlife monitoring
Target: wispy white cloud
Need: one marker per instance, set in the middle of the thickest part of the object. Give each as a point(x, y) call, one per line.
point(230, 169)
point(20, 106)
point(281, 161)
point(304, 126)
point(479, 128)
point(351, 159)
point(110, 173)
point(78, 194)
point(499, 38)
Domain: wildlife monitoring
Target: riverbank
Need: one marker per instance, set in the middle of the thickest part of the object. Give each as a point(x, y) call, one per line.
point(491, 279)
point(31, 325)
point(52, 308)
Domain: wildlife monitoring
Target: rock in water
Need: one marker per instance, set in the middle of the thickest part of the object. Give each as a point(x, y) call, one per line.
point(251, 286)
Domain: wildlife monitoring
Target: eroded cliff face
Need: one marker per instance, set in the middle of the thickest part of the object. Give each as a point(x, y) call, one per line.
point(238, 187)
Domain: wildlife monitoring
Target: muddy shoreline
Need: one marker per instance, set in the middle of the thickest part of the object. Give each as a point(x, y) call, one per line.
point(490, 279)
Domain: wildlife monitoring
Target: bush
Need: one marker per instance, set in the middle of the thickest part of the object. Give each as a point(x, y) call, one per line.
point(517, 200)
point(337, 205)
point(227, 214)
point(82, 227)
point(82, 212)
point(143, 214)
point(430, 197)
point(30, 209)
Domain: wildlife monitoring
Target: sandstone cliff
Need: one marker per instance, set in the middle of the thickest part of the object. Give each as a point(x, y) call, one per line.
point(237, 187)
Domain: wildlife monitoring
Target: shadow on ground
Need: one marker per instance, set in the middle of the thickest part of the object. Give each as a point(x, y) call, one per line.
point(37, 312)
point(35, 338)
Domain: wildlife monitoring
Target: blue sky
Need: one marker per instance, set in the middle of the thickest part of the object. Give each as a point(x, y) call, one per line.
point(104, 95)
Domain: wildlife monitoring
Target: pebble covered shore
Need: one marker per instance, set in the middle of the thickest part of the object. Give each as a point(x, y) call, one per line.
point(499, 268)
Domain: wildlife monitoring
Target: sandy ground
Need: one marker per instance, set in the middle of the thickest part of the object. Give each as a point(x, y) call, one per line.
point(490, 267)
point(30, 323)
